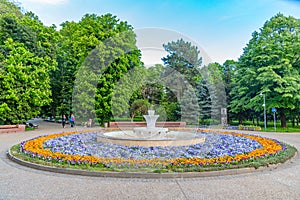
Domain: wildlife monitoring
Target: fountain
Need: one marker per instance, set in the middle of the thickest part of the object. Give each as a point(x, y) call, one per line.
point(150, 135)
point(150, 130)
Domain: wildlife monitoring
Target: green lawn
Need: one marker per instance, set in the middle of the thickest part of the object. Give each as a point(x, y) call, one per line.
point(279, 129)
point(270, 127)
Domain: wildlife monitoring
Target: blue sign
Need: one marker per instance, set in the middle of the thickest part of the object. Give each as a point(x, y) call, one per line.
point(274, 110)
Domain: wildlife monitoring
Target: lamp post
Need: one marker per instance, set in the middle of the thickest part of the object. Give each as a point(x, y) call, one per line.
point(265, 116)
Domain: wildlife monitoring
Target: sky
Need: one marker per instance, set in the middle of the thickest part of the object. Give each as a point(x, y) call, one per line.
point(220, 28)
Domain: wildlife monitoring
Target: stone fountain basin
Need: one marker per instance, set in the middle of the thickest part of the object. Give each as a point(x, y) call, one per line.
point(173, 138)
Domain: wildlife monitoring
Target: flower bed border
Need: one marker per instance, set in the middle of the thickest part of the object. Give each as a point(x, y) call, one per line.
point(227, 172)
point(179, 161)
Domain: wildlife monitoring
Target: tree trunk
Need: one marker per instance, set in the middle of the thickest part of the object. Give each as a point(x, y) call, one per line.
point(54, 111)
point(240, 119)
point(132, 117)
point(257, 121)
point(282, 118)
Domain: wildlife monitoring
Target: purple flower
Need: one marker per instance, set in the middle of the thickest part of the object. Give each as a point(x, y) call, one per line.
point(216, 145)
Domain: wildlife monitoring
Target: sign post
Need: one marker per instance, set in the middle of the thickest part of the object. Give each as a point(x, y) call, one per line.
point(274, 112)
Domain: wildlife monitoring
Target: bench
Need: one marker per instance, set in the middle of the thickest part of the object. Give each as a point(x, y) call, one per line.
point(33, 125)
point(12, 128)
point(143, 124)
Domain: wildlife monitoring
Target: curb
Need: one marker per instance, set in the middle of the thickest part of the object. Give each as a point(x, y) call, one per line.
point(138, 175)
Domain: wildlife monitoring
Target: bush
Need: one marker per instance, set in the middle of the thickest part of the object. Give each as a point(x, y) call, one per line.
point(249, 128)
point(208, 122)
point(124, 119)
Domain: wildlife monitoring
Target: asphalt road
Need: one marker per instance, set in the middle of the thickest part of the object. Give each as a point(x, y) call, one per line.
point(19, 182)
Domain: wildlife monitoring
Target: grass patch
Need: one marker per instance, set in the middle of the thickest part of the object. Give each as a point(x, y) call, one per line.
point(270, 127)
point(29, 128)
point(280, 157)
point(283, 130)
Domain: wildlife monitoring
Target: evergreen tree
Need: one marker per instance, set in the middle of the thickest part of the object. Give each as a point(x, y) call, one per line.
point(182, 65)
point(204, 101)
point(189, 107)
point(184, 58)
point(211, 93)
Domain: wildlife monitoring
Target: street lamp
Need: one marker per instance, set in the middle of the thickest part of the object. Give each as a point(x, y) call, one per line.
point(264, 105)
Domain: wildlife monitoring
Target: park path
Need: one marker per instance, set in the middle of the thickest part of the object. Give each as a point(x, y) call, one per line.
point(18, 182)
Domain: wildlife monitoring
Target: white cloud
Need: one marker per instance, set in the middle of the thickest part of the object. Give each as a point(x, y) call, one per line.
point(53, 2)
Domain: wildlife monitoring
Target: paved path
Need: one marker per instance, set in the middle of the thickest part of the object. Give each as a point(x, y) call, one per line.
point(18, 182)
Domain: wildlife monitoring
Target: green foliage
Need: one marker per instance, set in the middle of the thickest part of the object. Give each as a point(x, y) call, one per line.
point(139, 107)
point(184, 58)
point(92, 53)
point(204, 101)
point(109, 79)
point(249, 128)
point(97, 76)
point(27, 55)
point(172, 111)
point(96, 62)
point(270, 65)
point(127, 90)
point(211, 94)
point(181, 75)
point(7, 7)
point(228, 72)
point(24, 83)
point(189, 107)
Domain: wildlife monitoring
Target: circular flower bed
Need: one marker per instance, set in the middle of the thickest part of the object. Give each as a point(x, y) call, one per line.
point(219, 149)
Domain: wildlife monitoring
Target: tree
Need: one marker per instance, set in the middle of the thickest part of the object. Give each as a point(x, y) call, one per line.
point(27, 48)
point(182, 66)
point(270, 64)
point(95, 53)
point(100, 73)
point(148, 84)
point(128, 90)
point(211, 93)
point(189, 107)
point(204, 101)
point(109, 79)
point(24, 83)
point(139, 107)
point(7, 7)
point(228, 72)
point(184, 58)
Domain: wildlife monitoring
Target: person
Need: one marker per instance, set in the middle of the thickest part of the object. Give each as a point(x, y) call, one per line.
point(63, 121)
point(72, 120)
point(89, 123)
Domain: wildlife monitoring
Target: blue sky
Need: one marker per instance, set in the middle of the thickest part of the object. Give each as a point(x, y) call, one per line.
point(221, 27)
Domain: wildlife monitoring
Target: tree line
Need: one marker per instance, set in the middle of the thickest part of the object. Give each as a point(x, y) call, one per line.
point(93, 68)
